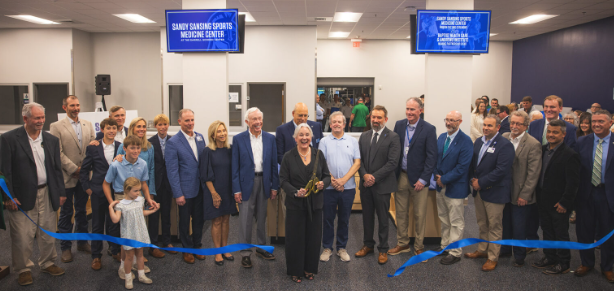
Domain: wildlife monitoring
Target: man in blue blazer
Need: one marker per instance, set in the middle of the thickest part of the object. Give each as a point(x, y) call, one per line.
point(254, 180)
point(181, 156)
point(595, 198)
point(503, 112)
point(491, 179)
point(454, 154)
point(283, 134)
point(97, 160)
point(118, 114)
point(418, 159)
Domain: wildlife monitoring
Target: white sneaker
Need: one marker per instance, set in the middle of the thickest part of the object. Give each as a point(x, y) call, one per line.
point(147, 270)
point(129, 285)
point(143, 279)
point(343, 254)
point(122, 273)
point(325, 256)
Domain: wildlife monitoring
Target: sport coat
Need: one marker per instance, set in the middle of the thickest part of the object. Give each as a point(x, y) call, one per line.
point(494, 172)
point(536, 130)
point(100, 134)
point(182, 165)
point(243, 168)
point(561, 179)
point(383, 164)
point(160, 164)
point(526, 169)
point(422, 154)
point(453, 166)
point(96, 163)
point(19, 167)
point(585, 149)
point(505, 125)
point(285, 142)
point(72, 152)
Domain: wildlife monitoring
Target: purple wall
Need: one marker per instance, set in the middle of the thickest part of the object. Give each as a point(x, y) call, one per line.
point(576, 64)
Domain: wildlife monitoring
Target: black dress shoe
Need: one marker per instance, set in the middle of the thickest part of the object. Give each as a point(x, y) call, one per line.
point(518, 263)
point(543, 263)
point(439, 249)
point(229, 258)
point(557, 269)
point(246, 262)
point(265, 255)
point(220, 263)
point(449, 260)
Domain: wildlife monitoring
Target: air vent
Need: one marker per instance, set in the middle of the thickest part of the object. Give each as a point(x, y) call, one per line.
point(320, 19)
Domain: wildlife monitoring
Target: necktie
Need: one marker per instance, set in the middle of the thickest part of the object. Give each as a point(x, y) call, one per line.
point(372, 148)
point(596, 179)
point(445, 146)
point(544, 139)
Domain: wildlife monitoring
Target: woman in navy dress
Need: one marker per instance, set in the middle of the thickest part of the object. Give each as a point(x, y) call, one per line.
point(216, 180)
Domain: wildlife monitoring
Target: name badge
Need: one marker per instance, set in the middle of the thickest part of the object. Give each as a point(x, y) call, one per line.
point(406, 150)
point(490, 150)
point(199, 138)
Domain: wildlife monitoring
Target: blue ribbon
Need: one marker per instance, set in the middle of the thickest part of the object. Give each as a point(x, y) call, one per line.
point(134, 243)
point(540, 244)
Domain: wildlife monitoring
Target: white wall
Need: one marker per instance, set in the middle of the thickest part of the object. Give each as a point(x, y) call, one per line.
point(492, 72)
point(83, 77)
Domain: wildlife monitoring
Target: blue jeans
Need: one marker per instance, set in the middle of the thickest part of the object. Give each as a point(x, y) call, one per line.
point(515, 223)
point(65, 224)
point(334, 202)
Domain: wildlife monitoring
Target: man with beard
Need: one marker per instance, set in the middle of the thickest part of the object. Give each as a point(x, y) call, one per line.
point(380, 150)
point(75, 135)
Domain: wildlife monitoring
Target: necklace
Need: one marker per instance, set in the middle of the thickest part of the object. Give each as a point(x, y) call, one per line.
point(305, 156)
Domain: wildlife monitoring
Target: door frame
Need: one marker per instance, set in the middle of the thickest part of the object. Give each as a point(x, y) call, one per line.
point(283, 97)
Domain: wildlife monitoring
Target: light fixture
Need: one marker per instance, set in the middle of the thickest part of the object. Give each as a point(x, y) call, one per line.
point(409, 36)
point(493, 34)
point(248, 17)
point(135, 18)
point(533, 19)
point(338, 34)
point(33, 19)
point(347, 17)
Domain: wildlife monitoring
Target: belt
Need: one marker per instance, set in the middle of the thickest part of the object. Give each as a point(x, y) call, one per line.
point(42, 186)
point(404, 171)
point(119, 193)
point(258, 174)
point(601, 185)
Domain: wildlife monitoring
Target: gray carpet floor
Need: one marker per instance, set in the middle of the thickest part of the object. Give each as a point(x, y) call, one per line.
point(171, 273)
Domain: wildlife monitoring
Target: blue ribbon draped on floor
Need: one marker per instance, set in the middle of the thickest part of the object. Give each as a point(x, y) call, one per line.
point(134, 243)
point(540, 244)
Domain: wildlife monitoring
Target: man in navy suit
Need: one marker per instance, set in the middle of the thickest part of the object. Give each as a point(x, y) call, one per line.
point(97, 160)
point(418, 159)
point(503, 112)
point(118, 114)
point(283, 134)
point(181, 156)
point(254, 180)
point(595, 199)
point(491, 179)
point(454, 154)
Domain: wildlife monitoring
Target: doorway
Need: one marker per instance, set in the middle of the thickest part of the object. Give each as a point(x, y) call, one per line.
point(51, 96)
point(270, 98)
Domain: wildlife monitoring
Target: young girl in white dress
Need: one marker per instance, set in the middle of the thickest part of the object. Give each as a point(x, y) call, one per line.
point(131, 215)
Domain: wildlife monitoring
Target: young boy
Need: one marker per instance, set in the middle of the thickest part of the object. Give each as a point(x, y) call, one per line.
point(130, 166)
point(97, 160)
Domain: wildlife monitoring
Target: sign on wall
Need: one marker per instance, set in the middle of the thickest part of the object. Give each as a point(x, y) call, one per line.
point(202, 30)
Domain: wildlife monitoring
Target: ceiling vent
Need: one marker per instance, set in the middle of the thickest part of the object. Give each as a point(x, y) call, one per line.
point(320, 19)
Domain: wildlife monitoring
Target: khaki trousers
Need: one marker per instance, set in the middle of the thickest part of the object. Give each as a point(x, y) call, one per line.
point(451, 212)
point(23, 232)
point(489, 216)
point(405, 197)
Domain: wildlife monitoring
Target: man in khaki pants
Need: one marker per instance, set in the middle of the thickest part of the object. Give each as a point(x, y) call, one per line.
point(418, 160)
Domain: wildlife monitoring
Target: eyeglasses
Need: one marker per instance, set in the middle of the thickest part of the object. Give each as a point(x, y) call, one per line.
point(516, 123)
point(451, 120)
point(303, 115)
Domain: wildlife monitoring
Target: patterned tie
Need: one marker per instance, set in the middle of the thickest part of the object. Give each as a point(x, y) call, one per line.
point(596, 179)
point(445, 146)
point(372, 148)
point(544, 139)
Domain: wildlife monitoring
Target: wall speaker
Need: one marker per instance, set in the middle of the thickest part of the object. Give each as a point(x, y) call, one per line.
point(103, 84)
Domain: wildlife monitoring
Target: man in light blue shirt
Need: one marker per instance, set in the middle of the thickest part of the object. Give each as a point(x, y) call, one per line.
point(343, 158)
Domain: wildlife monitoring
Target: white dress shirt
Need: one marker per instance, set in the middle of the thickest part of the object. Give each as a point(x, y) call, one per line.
point(39, 157)
point(516, 141)
point(109, 151)
point(256, 142)
point(77, 127)
point(120, 135)
point(192, 142)
point(379, 133)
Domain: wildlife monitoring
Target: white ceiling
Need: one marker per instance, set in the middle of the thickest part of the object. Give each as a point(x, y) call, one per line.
point(382, 19)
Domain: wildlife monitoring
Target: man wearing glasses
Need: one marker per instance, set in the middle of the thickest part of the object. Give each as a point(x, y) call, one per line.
point(595, 107)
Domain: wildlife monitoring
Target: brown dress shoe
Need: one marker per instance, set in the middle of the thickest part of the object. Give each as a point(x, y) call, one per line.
point(609, 275)
point(145, 260)
point(582, 271)
point(86, 248)
point(53, 270)
point(382, 259)
point(489, 266)
point(171, 252)
point(363, 252)
point(156, 253)
point(96, 264)
point(117, 257)
point(25, 278)
point(200, 257)
point(188, 258)
point(66, 256)
point(399, 249)
point(419, 252)
point(476, 255)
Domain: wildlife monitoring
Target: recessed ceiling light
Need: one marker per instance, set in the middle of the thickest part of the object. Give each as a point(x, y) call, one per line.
point(338, 34)
point(248, 17)
point(135, 18)
point(347, 17)
point(409, 36)
point(533, 19)
point(493, 34)
point(33, 19)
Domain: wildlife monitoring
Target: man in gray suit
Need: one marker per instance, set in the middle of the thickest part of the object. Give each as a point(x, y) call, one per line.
point(525, 174)
point(380, 149)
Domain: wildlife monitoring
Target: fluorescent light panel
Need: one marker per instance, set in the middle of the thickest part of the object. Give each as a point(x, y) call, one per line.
point(135, 18)
point(33, 19)
point(493, 34)
point(248, 17)
point(409, 36)
point(533, 19)
point(347, 17)
point(338, 34)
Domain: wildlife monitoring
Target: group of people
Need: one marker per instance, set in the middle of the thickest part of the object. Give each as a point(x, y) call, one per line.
point(532, 174)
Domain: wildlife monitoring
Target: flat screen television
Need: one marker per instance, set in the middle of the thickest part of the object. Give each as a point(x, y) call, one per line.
point(452, 31)
point(203, 30)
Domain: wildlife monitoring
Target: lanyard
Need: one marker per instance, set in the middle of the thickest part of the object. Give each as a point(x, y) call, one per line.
point(407, 135)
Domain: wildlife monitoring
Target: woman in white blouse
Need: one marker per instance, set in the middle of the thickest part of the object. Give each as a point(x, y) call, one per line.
point(477, 121)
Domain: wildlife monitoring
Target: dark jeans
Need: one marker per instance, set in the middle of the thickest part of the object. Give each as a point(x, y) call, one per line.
point(555, 226)
point(334, 202)
point(165, 198)
point(515, 227)
point(533, 222)
point(193, 208)
point(101, 221)
point(358, 129)
point(594, 210)
point(65, 224)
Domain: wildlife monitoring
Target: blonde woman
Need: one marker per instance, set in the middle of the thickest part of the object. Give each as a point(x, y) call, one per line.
point(477, 121)
point(215, 177)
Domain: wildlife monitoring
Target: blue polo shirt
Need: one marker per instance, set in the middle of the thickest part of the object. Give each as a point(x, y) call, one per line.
point(119, 172)
point(340, 155)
